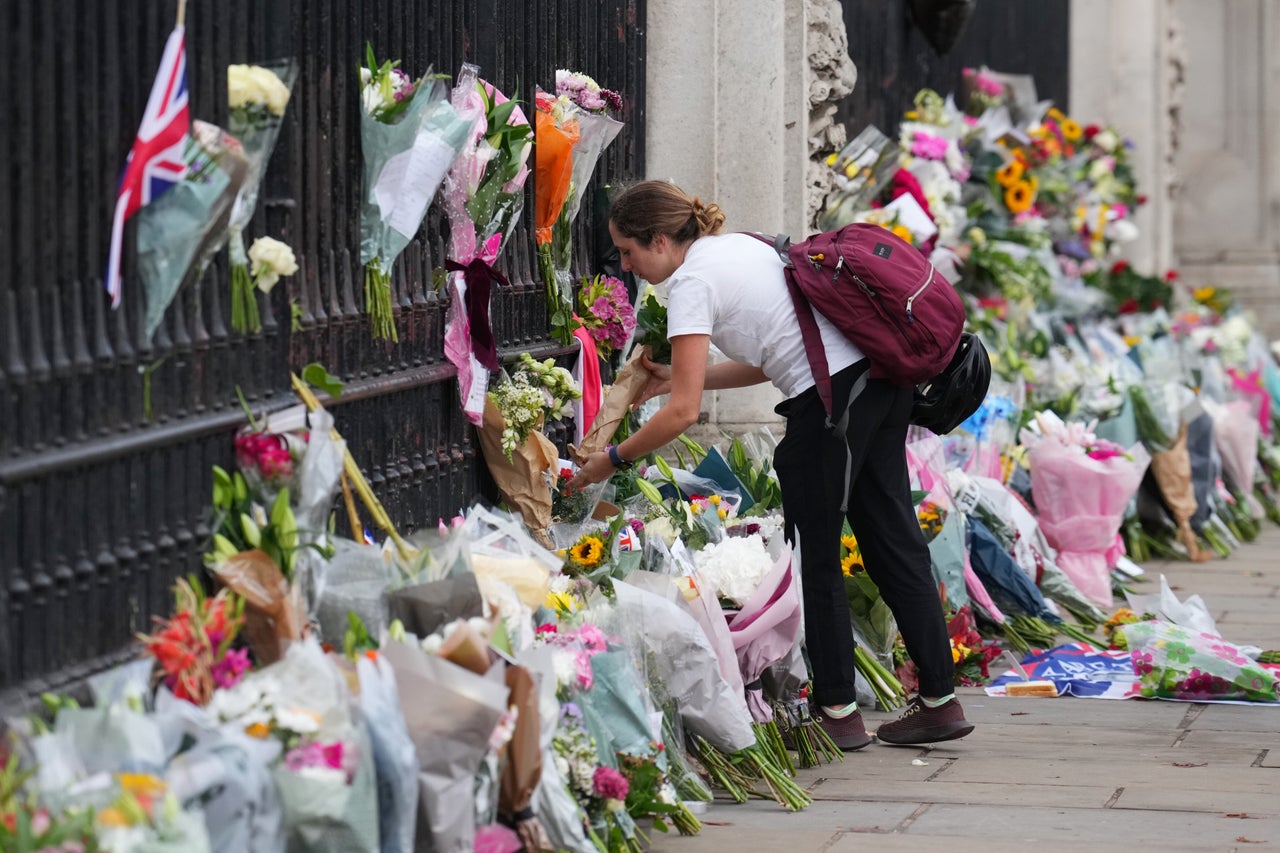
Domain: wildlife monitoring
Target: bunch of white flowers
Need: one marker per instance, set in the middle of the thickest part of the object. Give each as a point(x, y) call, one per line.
point(252, 86)
point(734, 567)
point(521, 406)
point(558, 388)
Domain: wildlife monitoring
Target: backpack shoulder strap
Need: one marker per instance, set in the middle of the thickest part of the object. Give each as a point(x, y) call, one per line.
point(809, 331)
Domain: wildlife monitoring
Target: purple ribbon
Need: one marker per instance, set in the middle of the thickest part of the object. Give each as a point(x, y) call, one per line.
point(479, 277)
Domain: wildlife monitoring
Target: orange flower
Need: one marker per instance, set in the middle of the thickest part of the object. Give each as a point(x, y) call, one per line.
point(1019, 197)
point(1010, 173)
point(553, 153)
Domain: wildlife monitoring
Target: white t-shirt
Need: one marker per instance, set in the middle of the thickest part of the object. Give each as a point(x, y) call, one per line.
point(732, 287)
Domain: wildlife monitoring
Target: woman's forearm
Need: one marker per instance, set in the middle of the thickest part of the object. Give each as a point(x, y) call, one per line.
point(732, 374)
point(664, 427)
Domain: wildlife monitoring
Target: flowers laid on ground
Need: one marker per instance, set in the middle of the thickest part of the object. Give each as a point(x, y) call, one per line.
point(605, 311)
point(194, 647)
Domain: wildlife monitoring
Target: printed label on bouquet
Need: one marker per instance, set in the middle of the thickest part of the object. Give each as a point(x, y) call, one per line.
point(967, 497)
point(409, 180)
point(479, 386)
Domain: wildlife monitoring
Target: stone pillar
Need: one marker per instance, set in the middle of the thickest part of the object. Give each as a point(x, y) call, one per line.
point(1125, 72)
point(732, 89)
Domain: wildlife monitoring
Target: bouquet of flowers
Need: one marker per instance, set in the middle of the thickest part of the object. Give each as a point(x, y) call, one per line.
point(576, 126)
point(179, 233)
point(193, 647)
point(982, 91)
point(145, 816)
point(1082, 486)
point(27, 827)
point(257, 96)
point(484, 198)
point(605, 311)
point(410, 135)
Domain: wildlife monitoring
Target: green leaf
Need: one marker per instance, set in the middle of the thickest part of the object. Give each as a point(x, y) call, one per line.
point(917, 496)
point(314, 374)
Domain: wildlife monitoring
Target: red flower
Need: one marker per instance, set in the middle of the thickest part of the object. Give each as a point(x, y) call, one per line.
point(547, 629)
point(1129, 306)
point(1171, 276)
point(1142, 199)
point(905, 183)
point(1091, 130)
point(1119, 267)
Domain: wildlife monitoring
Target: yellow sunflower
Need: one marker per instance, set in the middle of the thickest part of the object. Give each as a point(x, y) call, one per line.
point(587, 551)
point(1019, 197)
point(851, 563)
point(849, 543)
point(1010, 173)
point(903, 232)
point(1204, 295)
point(1071, 130)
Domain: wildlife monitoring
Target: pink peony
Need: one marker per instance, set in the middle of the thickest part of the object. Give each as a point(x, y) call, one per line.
point(928, 146)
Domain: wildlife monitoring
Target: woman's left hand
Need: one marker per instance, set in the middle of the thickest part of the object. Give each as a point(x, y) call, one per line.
point(597, 467)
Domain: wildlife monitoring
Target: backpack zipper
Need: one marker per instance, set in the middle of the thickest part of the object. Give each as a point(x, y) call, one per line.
point(912, 298)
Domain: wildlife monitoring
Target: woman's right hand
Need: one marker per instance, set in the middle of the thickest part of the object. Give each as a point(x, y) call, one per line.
point(659, 380)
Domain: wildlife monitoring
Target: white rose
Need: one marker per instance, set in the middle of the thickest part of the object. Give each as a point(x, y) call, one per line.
point(1106, 140)
point(271, 260)
point(242, 88)
point(272, 90)
point(1122, 231)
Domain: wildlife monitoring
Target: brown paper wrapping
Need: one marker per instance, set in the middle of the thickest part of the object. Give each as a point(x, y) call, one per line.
point(626, 388)
point(1172, 470)
point(522, 480)
point(273, 615)
point(523, 768)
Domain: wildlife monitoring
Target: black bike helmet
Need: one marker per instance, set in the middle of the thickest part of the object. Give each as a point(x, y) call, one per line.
point(945, 401)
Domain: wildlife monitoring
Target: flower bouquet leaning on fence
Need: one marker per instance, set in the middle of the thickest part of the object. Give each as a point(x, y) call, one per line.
point(604, 310)
point(483, 196)
point(257, 96)
point(574, 128)
point(409, 137)
point(521, 459)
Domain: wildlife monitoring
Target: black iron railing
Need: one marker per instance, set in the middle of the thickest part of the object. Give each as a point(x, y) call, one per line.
point(106, 438)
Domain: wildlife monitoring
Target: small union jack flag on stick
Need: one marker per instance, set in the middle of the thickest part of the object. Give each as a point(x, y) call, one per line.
point(157, 162)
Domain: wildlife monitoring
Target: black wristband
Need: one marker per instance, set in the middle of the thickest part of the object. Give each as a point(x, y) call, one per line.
point(616, 458)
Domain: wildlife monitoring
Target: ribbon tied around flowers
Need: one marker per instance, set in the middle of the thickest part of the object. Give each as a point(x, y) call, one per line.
point(480, 276)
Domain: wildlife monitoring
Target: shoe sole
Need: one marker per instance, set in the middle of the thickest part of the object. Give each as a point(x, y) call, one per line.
point(935, 734)
point(846, 746)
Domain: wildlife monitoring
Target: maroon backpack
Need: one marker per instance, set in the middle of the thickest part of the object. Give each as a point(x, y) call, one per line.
point(882, 294)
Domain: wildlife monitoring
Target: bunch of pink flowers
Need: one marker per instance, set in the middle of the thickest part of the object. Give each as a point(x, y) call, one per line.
point(586, 92)
point(606, 313)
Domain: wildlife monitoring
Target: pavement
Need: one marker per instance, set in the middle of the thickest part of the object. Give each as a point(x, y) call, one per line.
point(1056, 774)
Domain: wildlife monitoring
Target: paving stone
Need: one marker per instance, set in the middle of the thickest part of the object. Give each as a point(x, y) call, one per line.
point(988, 793)
point(717, 839)
point(1087, 827)
point(1107, 769)
point(1219, 802)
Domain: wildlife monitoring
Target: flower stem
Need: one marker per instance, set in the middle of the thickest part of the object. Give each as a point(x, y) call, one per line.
point(377, 301)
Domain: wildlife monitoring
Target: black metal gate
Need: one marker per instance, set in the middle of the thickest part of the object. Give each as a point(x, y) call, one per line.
point(106, 439)
point(895, 60)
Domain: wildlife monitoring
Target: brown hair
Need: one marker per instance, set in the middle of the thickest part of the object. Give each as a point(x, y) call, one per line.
point(643, 211)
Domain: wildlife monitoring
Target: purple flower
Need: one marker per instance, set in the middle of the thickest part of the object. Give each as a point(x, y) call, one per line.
point(636, 524)
point(613, 99)
point(228, 671)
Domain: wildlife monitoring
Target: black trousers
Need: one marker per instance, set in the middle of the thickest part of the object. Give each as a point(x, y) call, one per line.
point(810, 463)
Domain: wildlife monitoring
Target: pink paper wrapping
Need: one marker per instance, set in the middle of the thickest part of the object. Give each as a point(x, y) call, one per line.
point(765, 629)
point(1081, 503)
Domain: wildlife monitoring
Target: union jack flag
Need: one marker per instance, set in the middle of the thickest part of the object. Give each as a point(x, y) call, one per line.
point(156, 161)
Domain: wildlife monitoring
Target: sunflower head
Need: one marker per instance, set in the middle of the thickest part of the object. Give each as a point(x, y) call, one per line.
point(587, 552)
point(1010, 173)
point(1071, 130)
point(1019, 196)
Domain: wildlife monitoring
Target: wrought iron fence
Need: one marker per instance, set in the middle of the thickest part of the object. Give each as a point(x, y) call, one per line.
point(107, 438)
point(895, 60)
